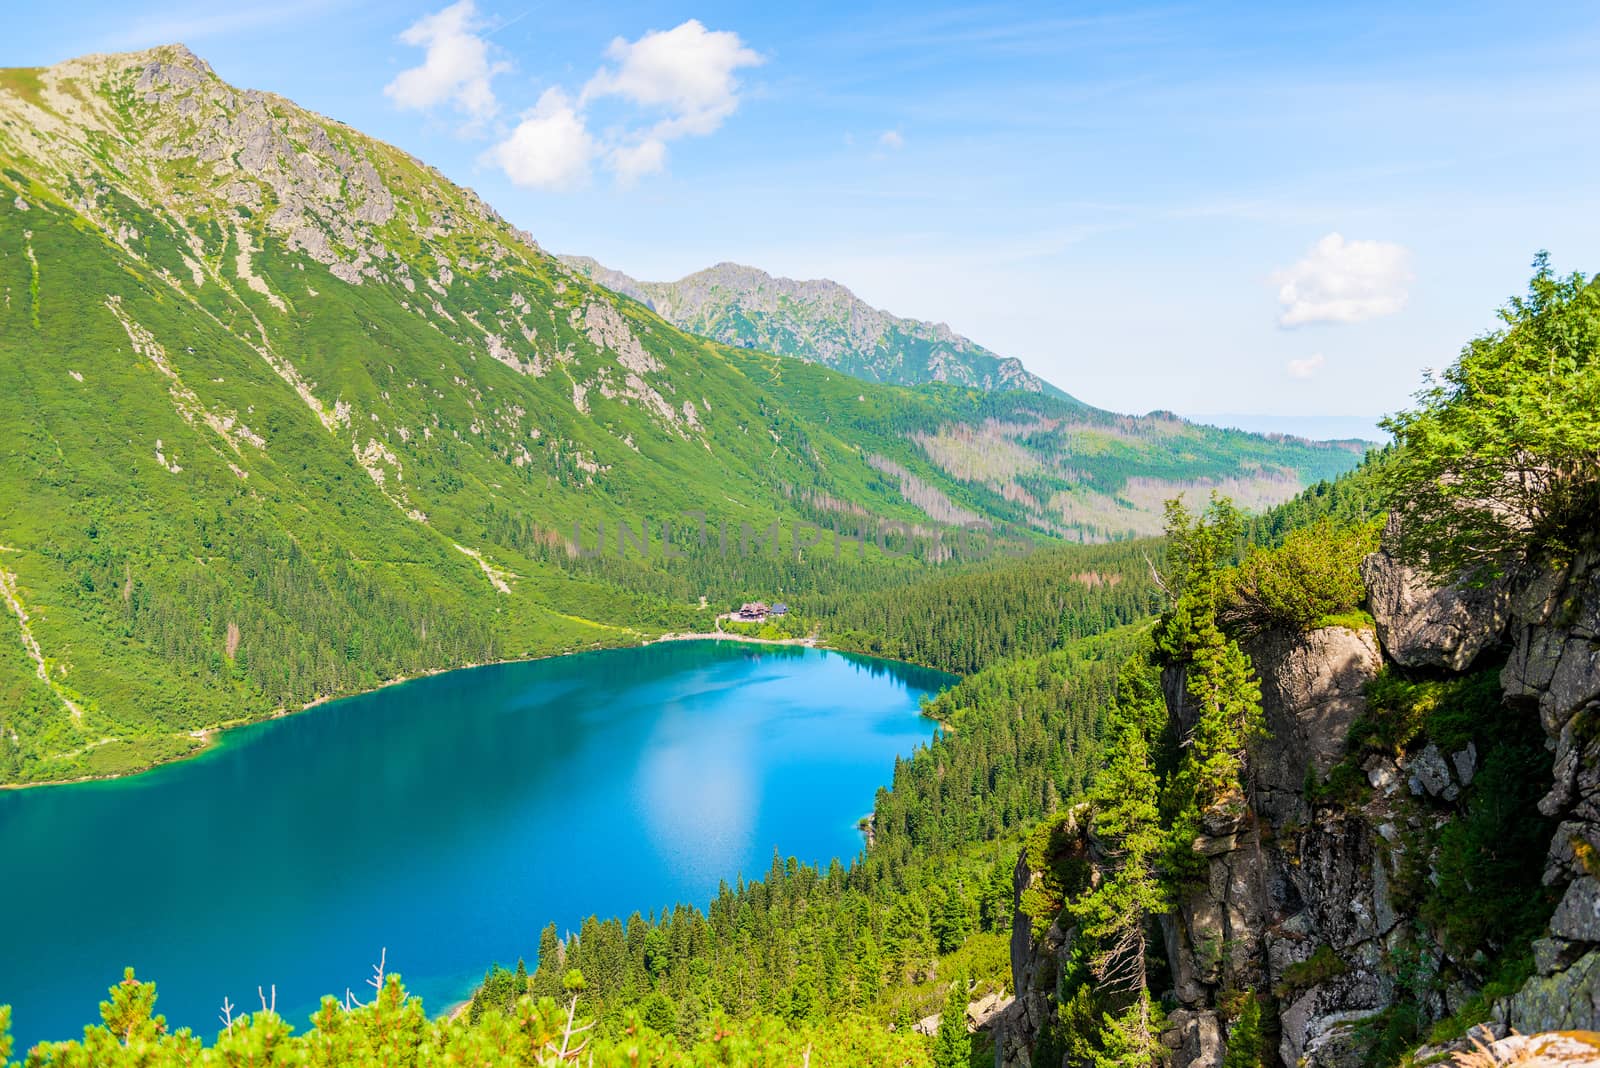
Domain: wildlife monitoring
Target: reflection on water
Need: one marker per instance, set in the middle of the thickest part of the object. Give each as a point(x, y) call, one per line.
point(446, 819)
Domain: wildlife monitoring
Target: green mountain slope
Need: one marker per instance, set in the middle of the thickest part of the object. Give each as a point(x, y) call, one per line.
point(286, 414)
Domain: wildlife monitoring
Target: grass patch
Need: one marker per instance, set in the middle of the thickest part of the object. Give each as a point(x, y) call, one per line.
point(1321, 966)
point(24, 82)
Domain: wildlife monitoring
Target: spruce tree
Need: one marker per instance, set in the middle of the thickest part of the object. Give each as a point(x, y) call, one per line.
point(1114, 916)
point(1244, 1037)
point(952, 1047)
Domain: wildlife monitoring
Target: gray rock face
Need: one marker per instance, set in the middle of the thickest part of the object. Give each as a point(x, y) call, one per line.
point(1194, 1039)
point(1422, 624)
point(1284, 877)
point(1577, 918)
point(1036, 965)
point(1317, 1025)
point(1296, 897)
point(1313, 686)
point(1555, 668)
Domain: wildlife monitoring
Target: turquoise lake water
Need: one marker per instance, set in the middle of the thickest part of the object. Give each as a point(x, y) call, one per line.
point(447, 819)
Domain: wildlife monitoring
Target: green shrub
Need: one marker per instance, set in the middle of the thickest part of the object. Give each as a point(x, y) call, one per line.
point(1054, 850)
point(1501, 456)
point(1450, 712)
point(1321, 966)
point(1311, 580)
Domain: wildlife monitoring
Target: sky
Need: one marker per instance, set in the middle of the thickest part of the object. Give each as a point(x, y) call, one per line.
point(1277, 209)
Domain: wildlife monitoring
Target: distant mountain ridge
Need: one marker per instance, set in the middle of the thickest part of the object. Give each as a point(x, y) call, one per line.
point(821, 321)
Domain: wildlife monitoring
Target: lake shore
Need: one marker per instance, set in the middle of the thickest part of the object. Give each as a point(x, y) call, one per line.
point(809, 642)
point(208, 736)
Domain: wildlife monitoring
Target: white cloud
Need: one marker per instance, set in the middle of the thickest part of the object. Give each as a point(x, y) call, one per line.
point(632, 162)
point(1341, 281)
point(892, 139)
point(551, 147)
point(456, 67)
point(1307, 367)
point(687, 71)
point(684, 77)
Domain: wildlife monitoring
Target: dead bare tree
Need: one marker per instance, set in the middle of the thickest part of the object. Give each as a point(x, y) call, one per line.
point(567, 1051)
point(351, 1002)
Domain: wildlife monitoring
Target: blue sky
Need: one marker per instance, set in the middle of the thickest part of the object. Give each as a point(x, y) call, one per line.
point(1273, 208)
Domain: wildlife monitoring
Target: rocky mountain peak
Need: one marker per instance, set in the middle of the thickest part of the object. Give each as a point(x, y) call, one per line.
point(818, 320)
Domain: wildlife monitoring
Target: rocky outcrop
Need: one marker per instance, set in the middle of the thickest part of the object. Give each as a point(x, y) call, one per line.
point(1310, 885)
point(1313, 687)
point(1036, 965)
point(1554, 671)
point(1423, 624)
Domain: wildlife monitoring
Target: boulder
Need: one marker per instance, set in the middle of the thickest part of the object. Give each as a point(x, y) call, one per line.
point(1566, 1001)
point(1424, 624)
point(1430, 774)
point(1319, 1026)
point(1565, 1049)
point(1551, 955)
point(1555, 658)
point(984, 1011)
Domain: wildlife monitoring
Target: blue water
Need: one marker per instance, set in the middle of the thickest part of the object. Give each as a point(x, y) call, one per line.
point(447, 820)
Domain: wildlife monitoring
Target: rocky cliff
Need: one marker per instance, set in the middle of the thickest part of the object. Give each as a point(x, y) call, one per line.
point(1355, 889)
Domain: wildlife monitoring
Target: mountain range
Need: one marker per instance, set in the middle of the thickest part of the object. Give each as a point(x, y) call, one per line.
point(288, 414)
point(820, 321)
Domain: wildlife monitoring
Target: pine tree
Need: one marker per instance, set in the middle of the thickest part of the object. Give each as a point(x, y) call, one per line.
point(1114, 916)
point(998, 907)
point(952, 1047)
point(1244, 1037)
point(1128, 1039)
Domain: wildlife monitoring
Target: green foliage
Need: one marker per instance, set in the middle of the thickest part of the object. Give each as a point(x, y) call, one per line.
point(1026, 731)
point(1323, 964)
point(393, 1030)
point(1114, 914)
point(1130, 1039)
point(1402, 709)
point(1221, 690)
point(1311, 579)
point(1488, 895)
point(999, 609)
point(952, 1046)
point(1352, 499)
point(1390, 1035)
point(1510, 973)
point(1246, 1044)
point(1501, 456)
point(1054, 851)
